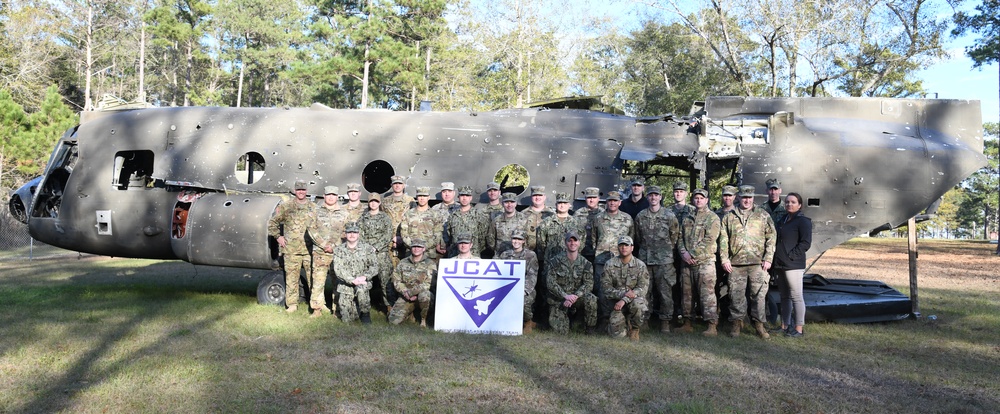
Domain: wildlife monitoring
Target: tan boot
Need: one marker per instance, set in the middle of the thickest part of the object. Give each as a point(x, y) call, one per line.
point(711, 329)
point(633, 334)
point(292, 308)
point(686, 328)
point(316, 313)
point(665, 327)
point(528, 327)
point(761, 330)
point(736, 328)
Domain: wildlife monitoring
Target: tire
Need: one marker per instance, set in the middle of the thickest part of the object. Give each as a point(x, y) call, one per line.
point(271, 289)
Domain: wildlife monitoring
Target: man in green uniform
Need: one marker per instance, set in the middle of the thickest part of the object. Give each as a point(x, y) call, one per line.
point(657, 231)
point(746, 247)
point(570, 285)
point(625, 283)
point(327, 232)
point(413, 278)
point(288, 226)
point(519, 252)
point(376, 230)
point(355, 266)
point(697, 247)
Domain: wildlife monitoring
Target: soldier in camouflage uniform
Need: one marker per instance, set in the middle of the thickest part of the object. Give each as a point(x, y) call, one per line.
point(420, 222)
point(413, 278)
point(681, 209)
point(395, 203)
point(609, 226)
point(356, 267)
point(463, 246)
point(746, 247)
point(773, 205)
point(552, 231)
point(492, 206)
point(327, 232)
point(503, 226)
point(376, 230)
point(722, 277)
point(468, 220)
point(354, 208)
point(697, 247)
point(519, 252)
point(657, 231)
point(570, 285)
point(447, 204)
point(288, 226)
point(535, 214)
point(625, 283)
point(728, 196)
point(588, 214)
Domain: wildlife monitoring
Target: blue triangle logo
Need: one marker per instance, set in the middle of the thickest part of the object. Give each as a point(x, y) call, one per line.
point(480, 296)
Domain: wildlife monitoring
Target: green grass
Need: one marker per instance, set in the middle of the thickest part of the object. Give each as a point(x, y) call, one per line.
point(119, 335)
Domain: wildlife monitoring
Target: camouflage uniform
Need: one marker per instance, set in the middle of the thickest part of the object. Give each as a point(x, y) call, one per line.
point(354, 213)
point(351, 263)
point(587, 216)
point(619, 278)
point(699, 237)
point(427, 225)
point(474, 223)
point(502, 228)
point(326, 231)
point(396, 207)
point(747, 238)
point(552, 232)
point(376, 230)
point(292, 219)
point(607, 229)
point(530, 276)
point(490, 210)
point(777, 214)
point(566, 277)
point(413, 279)
point(656, 235)
point(535, 219)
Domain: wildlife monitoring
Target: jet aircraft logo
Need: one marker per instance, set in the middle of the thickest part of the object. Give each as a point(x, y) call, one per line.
point(480, 296)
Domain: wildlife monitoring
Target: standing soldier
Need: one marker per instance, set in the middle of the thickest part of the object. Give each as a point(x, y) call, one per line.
point(588, 214)
point(503, 225)
point(722, 276)
point(288, 226)
point(625, 283)
point(395, 203)
point(697, 247)
point(553, 230)
point(355, 266)
point(492, 206)
point(773, 205)
point(412, 279)
point(447, 203)
point(327, 232)
point(681, 209)
point(609, 226)
point(467, 220)
point(535, 213)
point(376, 230)
point(570, 285)
point(635, 201)
point(746, 247)
point(420, 222)
point(519, 252)
point(728, 196)
point(657, 231)
point(354, 208)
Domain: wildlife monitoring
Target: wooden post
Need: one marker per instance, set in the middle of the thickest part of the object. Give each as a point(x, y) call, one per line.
point(911, 229)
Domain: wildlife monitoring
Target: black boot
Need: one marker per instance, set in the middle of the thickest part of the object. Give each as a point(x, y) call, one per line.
point(366, 318)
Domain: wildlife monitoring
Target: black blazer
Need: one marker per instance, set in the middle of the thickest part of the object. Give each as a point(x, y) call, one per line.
point(794, 239)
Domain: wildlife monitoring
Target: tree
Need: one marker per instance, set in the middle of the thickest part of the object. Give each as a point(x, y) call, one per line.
point(979, 205)
point(29, 52)
point(27, 139)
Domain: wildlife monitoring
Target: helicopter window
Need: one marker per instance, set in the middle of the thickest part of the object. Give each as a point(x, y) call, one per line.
point(250, 167)
point(133, 169)
point(377, 176)
point(513, 178)
point(812, 202)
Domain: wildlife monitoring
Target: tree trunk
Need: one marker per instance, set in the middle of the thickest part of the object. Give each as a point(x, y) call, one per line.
point(89, 103)
point(142, 63)
point(364, 79)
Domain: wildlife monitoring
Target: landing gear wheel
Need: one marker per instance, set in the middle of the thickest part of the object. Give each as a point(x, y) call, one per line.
point(271, 289)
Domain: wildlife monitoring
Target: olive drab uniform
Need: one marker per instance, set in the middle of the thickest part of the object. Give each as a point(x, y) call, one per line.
point(413, 279)
point(349, 264)
point(747, 238)
point(377, 231)
point(530, 276)
point(292, 220)
point(699, 236)
point(587, 216)
point(619, 278)
point(570, 277)
point(395, 207)
point(656, 236)
point(535, 219)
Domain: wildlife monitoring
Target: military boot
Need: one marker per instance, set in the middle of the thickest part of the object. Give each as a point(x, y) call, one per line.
point(316, 313)
point(686, 328)
point(761, 330)
point(633, 334)
point(528, 327)
point(664, 327)
point(366, 318)
point(292, 309)
point(736, 328)
point(711, 329)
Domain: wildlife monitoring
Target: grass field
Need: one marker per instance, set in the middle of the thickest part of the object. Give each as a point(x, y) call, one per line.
point(120, 335)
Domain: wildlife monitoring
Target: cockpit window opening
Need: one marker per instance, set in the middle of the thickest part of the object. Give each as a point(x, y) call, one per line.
point(133, 169)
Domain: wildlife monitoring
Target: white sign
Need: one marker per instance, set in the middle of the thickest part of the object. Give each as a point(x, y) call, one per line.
point(480, 296)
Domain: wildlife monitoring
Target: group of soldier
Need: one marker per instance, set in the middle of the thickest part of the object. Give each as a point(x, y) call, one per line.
point(615, 264)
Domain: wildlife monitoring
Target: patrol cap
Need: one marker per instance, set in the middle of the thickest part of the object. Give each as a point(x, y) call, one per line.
point(537, 190)
point(747, 191)
point(447, 186)
point(463, 238)
point(398, 179)
point(331, 189)
point(493, 185)
point(729, 190)
point(300, 185)
point(680, 185)
point(423, 191)
point(562, 198)
point(773, 183)
point(465, 190)
point(614, 195)
point(417, 242)
point(351, 228)
point(625, 240)
point(517, 234)
point(701, 191)
point(509, 197)
point(638, 181)
point(353, 187)
point(592, 192)
point(653, 189)
point(374, 197)
point(572, 235)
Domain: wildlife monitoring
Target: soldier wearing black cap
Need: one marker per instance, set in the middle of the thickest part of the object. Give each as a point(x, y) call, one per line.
point(636, 201)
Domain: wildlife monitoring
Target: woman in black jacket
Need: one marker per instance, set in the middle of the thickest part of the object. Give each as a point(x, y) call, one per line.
point(794, 238)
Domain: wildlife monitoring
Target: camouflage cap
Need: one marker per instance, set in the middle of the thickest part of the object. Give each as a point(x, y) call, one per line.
point(592, 192)
point(638, 181)
point(680, 185)
point(423, 191)
point(625, 240)
point(447, 186)
point(729, 190)
point(509, 197)
point(614, 195)
point(702, 192)
point(374, 197)
point(653, 189)
point(537, 190)
point(571, 235)
point(331, 189)
point(517, 234)
point(354, 187)
point(417, 242)
point(351, 228)
point(299, 185)
point(773, 183)
point(398, 179)
point(463, 238)
point(562, 198)
point(493, 185)
point(465, 190)
point(747, 191)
